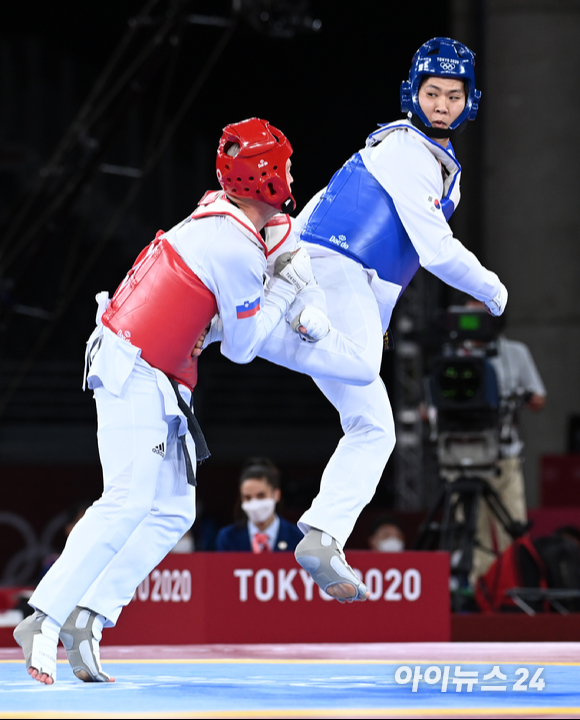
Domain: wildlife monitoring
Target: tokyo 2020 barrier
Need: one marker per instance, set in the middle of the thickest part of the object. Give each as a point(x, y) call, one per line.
point(246, 598)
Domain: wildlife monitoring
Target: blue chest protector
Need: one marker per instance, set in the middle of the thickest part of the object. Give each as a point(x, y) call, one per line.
point(356, 216)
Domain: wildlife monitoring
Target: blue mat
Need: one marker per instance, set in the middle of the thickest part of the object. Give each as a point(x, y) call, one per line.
point(250, 688)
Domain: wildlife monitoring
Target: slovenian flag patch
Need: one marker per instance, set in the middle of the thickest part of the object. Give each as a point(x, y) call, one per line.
point(247, 308)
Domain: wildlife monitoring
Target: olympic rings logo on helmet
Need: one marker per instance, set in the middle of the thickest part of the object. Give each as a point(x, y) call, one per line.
point(446, 57)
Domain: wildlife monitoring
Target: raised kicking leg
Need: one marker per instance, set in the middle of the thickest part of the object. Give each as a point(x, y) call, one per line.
point(350, 479)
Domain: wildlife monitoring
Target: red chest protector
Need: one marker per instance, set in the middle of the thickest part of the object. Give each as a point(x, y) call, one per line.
point(162, 307)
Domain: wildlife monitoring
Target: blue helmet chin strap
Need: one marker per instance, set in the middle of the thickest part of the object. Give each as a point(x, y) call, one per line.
point(447, 58)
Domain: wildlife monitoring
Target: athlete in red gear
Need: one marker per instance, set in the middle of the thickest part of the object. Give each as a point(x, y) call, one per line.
point(141, 364)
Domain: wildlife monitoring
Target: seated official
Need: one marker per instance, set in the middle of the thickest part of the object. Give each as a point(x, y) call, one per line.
point(261, 529)
point(386, 535)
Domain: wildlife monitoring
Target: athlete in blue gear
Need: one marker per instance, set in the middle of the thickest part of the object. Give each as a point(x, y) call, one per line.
point(384, 214)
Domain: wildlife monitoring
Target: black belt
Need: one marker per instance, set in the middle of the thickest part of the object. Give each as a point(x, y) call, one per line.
point(201, 449)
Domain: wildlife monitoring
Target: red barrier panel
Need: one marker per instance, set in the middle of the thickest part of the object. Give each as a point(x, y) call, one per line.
point(244, 598)
point(560, 480)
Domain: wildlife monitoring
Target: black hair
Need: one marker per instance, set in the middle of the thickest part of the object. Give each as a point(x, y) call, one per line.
point(387, 519)
point(261, 468)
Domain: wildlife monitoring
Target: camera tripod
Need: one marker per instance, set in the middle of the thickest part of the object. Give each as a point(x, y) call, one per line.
point(457, 504)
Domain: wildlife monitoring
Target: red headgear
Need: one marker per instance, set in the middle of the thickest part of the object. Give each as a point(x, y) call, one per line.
point(259, 169)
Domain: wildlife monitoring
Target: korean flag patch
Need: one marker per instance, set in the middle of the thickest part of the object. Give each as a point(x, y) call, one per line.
point(434, 203)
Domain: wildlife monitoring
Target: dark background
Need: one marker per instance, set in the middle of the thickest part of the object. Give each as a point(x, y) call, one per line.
point(326, 90)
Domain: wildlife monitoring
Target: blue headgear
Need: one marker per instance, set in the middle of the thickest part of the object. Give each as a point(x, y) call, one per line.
point(446, 58)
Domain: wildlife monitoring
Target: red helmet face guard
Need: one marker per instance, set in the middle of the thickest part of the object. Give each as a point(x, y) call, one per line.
point(258, 170)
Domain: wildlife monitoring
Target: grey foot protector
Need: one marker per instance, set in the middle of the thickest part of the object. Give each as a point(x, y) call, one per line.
point(81, 642)
point(39, 647)
point(319, 554)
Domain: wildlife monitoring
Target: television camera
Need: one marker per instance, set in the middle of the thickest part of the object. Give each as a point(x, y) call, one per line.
point(469, 419)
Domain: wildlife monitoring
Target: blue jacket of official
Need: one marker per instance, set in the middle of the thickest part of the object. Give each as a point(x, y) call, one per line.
point(357, 217)
point(236, 538)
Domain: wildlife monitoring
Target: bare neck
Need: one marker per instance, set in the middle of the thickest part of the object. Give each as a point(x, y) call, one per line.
point(257, 212)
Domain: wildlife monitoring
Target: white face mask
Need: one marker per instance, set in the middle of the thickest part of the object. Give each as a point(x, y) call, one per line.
point(259, 510)
point(391, 544)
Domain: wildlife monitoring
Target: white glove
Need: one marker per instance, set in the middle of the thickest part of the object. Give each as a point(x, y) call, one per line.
point(314, 321)
point(295, 268)
point(496, 305)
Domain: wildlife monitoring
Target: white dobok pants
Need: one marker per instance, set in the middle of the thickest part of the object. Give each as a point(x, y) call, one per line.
point(351, 477)
point(146, 506)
